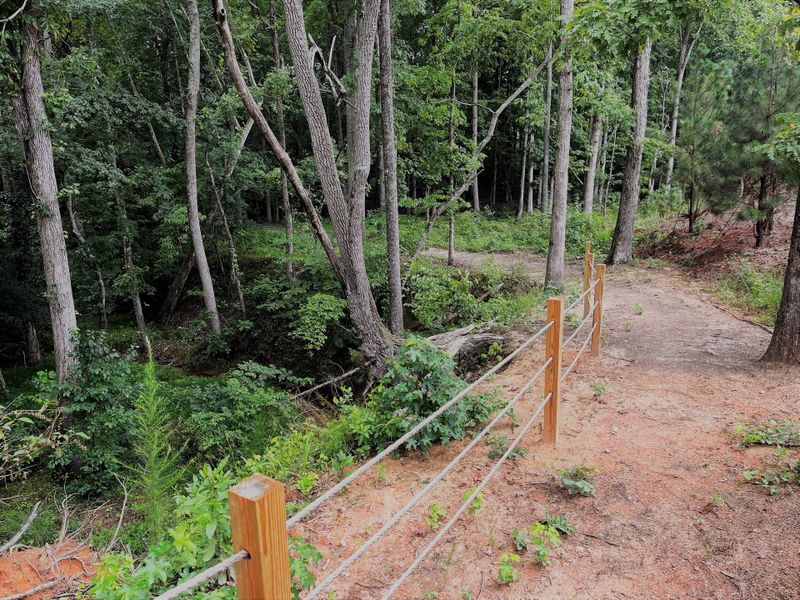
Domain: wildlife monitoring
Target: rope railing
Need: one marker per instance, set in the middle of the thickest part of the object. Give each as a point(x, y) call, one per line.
point(425, 490)
point(413, 431)
point(467, 503)
point(257, 505)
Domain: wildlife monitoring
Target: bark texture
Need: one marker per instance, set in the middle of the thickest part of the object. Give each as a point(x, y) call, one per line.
point(544, 195)
point(554, 276)
point(622, 243)
point(687, 44)
point(591, 166)
point(192, 93)
point(31, 121)
point(785, 343)
point(389, 161)
point(476, 199)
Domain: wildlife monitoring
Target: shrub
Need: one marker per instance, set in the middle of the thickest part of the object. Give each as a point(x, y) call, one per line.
point(439, 296)
point(98, 403)
point(753, 290)
point(420, 379)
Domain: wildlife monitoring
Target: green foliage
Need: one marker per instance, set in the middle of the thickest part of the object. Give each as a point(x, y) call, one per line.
point(477, 501)
point(98, 403)
point(498, 444)
point(769, 433)
point(753, 290)
point(577, 480)
point(319, 313)
point(539, 538)
point(435, 514)
point(561, 523)
point(506, 573)
point(158, 469)
point(782, 475)
point(420, 378)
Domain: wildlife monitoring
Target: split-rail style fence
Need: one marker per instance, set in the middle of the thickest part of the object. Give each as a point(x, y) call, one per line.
point(257, 506)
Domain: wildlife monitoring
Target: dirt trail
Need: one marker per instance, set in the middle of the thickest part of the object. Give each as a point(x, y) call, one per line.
point(670, 518)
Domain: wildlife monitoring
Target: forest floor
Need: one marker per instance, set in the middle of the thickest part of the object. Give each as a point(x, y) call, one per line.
point(670, 519)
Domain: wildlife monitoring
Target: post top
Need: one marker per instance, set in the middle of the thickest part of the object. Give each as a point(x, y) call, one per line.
point(254, 487)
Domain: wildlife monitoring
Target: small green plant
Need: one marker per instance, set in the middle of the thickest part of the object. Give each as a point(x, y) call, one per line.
point(717, 499)
point(498, 444)
point(380, 473)
point(782, 475)
point(628, 326)
point(577, 480)
point(431, 595)
point(467, 595)
point(341, 463)
point(599, 388)
point(506, 573)
point(435, 514)
point(538, 539)
point(573, 319)
point(638, 309)
point(306, 482)
point(783, 433)
point(493, 354)
point(561, 523)
point(477, 502)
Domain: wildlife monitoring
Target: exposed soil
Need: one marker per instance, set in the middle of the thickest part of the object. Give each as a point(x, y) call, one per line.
point(54, 569)
point(671, 518)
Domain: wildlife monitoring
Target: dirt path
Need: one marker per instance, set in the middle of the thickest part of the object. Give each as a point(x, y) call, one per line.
point(670, 518)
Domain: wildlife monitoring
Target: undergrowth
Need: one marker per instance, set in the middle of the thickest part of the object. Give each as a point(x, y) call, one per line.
point(753, 290)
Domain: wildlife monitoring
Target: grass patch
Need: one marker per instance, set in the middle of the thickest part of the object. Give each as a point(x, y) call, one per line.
point(755, 291)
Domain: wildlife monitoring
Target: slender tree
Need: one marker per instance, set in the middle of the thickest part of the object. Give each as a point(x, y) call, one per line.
point(554, 276)
point(591, 164)
point(622, 242)
point(544, 194)
point(476, 199)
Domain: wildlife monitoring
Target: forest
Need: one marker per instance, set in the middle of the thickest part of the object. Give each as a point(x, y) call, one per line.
point(272, 237)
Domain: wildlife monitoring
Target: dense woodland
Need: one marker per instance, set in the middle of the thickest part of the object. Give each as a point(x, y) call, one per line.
point(206, 209)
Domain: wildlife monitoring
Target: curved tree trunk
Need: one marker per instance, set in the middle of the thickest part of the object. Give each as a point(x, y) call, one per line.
point(687, 44)
point(389, 161)
point(622, 243)
point(554, 276)
point(785, 343)
point(31, 121)
point(193, 90)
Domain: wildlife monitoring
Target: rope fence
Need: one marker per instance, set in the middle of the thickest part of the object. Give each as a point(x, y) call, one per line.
point(257, 504)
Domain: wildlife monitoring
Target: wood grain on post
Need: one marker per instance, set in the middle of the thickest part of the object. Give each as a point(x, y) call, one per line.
point(597, 317)
point(588, 263)
point(258, 524)
point(552, 375)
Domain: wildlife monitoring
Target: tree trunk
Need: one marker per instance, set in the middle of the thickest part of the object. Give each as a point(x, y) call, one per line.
point(192, 91)
point(176, 288)
point(761, 221)
point(554, 276)
point(531, 164)
point(32, 342)
point(85, 251)
point(476, 201)
point(451, 240)
point(548, 102)
point(591, 167)
point(521, 201)
point(622, 243)
point(690, 195)
point(34, 133)
point(687, 43)
point(785, 343)
point(610, 174)
point(389, 160)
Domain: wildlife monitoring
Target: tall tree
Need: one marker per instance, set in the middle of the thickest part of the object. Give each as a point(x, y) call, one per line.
point(389, 161)
point(591, 164)
point(33, 130)
point(192, 94)
point(545, 201)
point(476, 199)
point(622, 242)
point(554, 276)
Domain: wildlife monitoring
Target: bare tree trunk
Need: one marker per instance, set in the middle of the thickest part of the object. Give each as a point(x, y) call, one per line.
point(176, 287)
point(233, 258)
point(622, 243)
point(521, 201)
point(86, 252)
point(531, 164)
point(193, 90)
point(554, 276)
point(451, 240)
point(3, 386)
point(32, 343)
point(389, 160)
point(548, 102)
point(591, 168)
point(598, 181)
point(476, 201)
point(687, 44)
point(785, 343)
point(610, 174)
point(761, 221)
point(31, 121)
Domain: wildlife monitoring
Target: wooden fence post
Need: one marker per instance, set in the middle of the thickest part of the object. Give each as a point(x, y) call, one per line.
point(258, 525)
point(597, 317)
point(552, 374)
point(588, 260)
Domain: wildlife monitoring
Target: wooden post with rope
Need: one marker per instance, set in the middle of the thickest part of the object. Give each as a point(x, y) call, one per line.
point(258, 525)
point(552, 374)
point(588, 265)
point(597, 317)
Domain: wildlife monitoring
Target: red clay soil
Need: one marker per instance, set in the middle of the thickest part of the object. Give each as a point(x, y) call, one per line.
point(54, 569)
point(671, 518)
